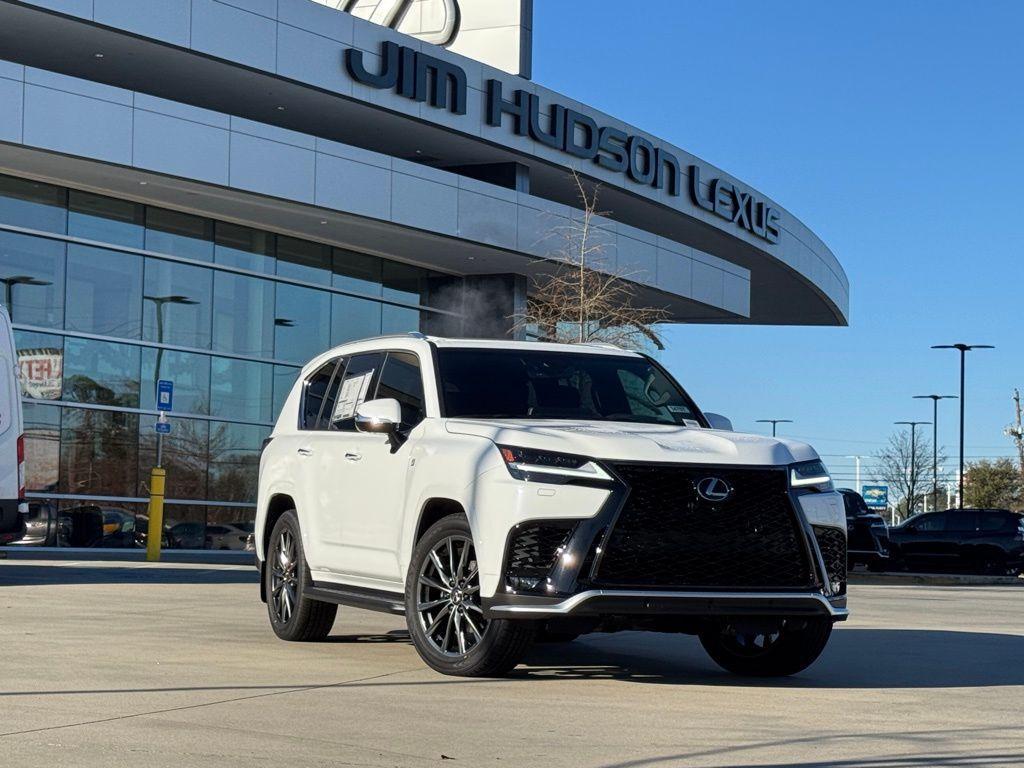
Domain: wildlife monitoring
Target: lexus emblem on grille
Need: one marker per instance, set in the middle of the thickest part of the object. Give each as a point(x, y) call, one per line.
point(714, 489)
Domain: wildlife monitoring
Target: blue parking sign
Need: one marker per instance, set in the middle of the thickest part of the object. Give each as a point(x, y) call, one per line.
point(165, 395)
point(163, 427)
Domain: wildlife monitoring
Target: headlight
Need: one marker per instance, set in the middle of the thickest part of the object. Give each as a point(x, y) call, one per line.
point(810, 475)
point(549, 467)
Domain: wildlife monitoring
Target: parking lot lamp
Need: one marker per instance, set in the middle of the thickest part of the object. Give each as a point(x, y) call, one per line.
point(935, 438)
point(775, 423)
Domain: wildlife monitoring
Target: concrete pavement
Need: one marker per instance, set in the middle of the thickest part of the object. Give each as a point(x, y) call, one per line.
point(136, 665)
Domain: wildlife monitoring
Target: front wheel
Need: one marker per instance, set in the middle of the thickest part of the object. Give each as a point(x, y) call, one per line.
point(443, 608)
point(293, 615)
point(764, 647)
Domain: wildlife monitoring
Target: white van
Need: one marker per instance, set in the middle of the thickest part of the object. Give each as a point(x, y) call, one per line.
point(13, 506)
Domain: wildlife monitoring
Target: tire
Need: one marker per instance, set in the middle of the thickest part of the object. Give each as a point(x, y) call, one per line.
point(796, 646)
point(304, 619)
point(452, 636)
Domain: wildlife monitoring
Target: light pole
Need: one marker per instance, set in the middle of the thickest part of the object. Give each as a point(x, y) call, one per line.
point(911, 501)
point(935, 438)
point(775, 423)
point(857, 459)
point(10, 282)
point(963, 349)
point(161, 302)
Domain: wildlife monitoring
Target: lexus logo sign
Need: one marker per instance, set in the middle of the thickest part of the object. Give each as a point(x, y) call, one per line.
point(440, 18)
point(714, 489)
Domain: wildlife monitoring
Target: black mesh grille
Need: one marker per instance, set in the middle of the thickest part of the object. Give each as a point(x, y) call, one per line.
point(667, 535)
point(535, 547)
point(832, 543)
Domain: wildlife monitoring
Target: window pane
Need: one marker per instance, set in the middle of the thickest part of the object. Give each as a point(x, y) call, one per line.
point(358, 384)
point(302, 323)
point(33, 205)
point(229, 527)
point(101, 372)
point(40, 364)
point(234, 461)
point(244, 248)
point(105, 219)
point(314, 392)
point(42, 447)
point(99, 452)
point(353, 319)
point(284, 380)
point(303, 260)
point(185, 525)
point(104, 292)
point(241, 390)
point(399, 319)
point(243, 315)
point(190, 374)
point(179, 234)
point(357, 272)
point(32, 274)
point(177, 304)
point(106, 524)
point(185, 454)
point(402, 381)
point(403, 282)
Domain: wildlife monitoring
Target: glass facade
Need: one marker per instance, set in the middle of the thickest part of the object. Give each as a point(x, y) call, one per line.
point(108, 297)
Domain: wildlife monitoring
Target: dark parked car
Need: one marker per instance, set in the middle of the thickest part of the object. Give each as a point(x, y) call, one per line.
point(867, 533)
point(989, 541)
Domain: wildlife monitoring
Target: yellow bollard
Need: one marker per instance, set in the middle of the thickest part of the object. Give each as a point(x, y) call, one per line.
point(157, 478)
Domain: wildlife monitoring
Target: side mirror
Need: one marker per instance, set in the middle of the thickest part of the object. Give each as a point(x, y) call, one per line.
point(718, 421)
point(379, 416)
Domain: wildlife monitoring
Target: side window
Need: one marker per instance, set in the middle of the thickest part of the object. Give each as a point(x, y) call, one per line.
point(994, 521)
point(932, 523)
point(357, 384)
point(401, 380)
point(961, 521)
point(316, 390)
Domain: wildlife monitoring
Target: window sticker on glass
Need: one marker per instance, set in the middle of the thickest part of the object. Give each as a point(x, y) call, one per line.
point(353, 392)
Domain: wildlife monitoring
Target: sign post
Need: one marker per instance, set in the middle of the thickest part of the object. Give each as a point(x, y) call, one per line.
point(158, 476)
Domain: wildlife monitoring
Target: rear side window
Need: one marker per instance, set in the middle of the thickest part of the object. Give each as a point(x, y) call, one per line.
point(961, 521)
point(931, 523)
point(401, 380)
point(317, 391)
point(995, 521)
point(357, 385)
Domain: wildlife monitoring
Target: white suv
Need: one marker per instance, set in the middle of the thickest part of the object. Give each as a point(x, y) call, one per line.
point(499, 492)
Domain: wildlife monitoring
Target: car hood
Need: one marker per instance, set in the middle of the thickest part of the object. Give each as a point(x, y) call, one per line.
point(620, 441)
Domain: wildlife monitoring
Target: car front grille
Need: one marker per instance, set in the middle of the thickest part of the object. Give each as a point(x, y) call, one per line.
point(832, 543)
point(667, 535)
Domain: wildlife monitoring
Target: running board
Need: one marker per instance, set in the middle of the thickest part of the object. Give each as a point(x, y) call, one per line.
point(358, 597)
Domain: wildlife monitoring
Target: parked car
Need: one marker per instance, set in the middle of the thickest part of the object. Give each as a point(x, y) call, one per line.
point(41, 526)
point(13, 506)
point(188, 535)
point(491, 490)
point(866, 533)
point(988, 541)
point(228, 535)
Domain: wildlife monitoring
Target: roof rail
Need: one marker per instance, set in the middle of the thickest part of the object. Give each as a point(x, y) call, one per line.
point(417, 335)
point(601, 344)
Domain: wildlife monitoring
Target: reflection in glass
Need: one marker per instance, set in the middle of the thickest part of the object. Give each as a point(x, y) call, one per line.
point(179, 234)
point(106, 220)
point(189, 372)
point(177, 304)
point(353, 318)
point(42, 447)
point(40, 364)
point(303, 260)
point(32, 276)
point(104, 293)
point(101, 372)
point(185, 526)
point(244, 248)
point(33, 205)
point(357, 272)
point(103, 524)
point(99, 452)
point(243, 315)
point(241, 390)
point(405, 283)
point(230, 528)
point(235, 460)
point(284, 380)
point(185, 456)
point(302, 323)
point(399, 319)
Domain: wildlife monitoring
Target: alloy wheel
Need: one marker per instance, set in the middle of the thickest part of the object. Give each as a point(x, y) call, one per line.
point(284, 582)
point(448, 597)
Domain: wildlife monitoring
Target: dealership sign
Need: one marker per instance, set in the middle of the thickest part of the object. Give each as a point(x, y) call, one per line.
point(443, 85)
point(876, 496)
point(41, 372)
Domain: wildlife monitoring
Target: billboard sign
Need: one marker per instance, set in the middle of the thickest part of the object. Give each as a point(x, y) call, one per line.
point(876, 496)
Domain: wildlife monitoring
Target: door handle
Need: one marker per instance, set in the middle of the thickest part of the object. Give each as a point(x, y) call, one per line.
point(353, 456)
point(305, 451)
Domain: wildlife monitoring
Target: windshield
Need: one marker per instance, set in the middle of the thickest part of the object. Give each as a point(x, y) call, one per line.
point(525, 384)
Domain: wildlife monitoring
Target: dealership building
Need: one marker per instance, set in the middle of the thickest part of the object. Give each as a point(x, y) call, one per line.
point(212, 191)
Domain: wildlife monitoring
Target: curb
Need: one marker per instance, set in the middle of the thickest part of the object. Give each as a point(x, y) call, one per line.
point(935, 579)
point(188, 556)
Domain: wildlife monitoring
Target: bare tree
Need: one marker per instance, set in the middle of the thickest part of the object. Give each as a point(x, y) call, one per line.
point(908, 474)
point(577, 300)
point(1016, 431)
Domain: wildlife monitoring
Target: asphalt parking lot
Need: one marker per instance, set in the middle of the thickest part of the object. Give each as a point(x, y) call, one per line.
point(174, 665)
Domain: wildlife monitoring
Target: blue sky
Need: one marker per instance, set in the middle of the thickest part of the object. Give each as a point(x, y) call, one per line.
point(894, 131)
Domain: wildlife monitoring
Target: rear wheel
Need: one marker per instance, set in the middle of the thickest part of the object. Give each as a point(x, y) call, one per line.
point(766, 648)
point(293, 616)
point(444, 613)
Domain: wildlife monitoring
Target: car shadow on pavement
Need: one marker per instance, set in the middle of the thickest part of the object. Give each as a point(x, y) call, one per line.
point(854, 658)
point(394, 636)
point(59, 572)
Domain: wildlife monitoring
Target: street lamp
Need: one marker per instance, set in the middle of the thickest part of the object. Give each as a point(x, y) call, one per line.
point(935, 437)
point(10, 282)
point(911, 503)
point(774, 423)
point(161, 302)
point(963, 349)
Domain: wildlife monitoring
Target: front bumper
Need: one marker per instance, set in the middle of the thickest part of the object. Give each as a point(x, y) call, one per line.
point(598, 602)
